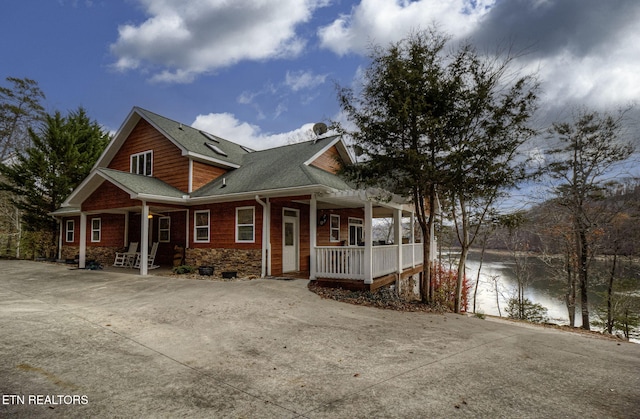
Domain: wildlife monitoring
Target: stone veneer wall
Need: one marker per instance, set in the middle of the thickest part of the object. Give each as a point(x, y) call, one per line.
point(245, 262)
point(409, 289)
point(70, 252)
point(104, 255)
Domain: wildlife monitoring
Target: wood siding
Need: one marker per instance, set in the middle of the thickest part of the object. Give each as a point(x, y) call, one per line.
point(204, 173)
point(111, 230)
point(323, 237)
point(222, 226)
point(108, 196)
point(330, 161)
point(168, 163)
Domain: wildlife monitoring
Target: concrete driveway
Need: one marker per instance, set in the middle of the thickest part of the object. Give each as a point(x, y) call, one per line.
point(101, 344)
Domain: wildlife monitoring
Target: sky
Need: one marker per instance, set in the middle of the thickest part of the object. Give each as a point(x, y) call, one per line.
point(262, 72)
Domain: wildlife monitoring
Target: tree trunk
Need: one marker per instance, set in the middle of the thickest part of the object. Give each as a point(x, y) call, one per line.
point(461, 275)
point(570, 297)
point(612, 275)
point(475, 290)
point(583, 276)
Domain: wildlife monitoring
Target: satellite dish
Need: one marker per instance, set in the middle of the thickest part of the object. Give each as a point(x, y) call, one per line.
point(319, 128)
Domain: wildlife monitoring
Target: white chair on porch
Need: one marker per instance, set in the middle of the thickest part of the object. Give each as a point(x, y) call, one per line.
point(150, 258)
point(126, 258)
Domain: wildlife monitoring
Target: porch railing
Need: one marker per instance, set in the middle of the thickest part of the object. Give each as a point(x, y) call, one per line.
point(348, 262)
point(412, 254)
point(340, 262)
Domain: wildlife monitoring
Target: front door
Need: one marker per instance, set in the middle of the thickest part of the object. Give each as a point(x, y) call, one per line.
point(290, 240)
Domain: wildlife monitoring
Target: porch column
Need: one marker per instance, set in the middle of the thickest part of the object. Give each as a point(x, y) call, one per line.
point(62, 227)
point(313, 226)
point(144, 240)
point(125, 239)
point(397, 239)
point(368, 242)
point(83, 241)
point(413, 239)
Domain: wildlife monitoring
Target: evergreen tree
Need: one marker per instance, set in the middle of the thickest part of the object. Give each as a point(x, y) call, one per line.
point(62, 154)
point(434, 122)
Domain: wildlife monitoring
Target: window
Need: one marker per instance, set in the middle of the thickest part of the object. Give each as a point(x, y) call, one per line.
point(96, 226)
point(334, 227)
point(201, 226)
point(355, 231)
point(70, 227)
point(142, 163)
point(245, 227)
point(164, 229)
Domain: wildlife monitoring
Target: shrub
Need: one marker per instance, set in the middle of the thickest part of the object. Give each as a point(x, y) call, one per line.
point(444, 288)
point(184, 269)
point(527, 310)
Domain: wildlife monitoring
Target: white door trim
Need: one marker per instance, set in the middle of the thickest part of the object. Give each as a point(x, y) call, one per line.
point(291, 257)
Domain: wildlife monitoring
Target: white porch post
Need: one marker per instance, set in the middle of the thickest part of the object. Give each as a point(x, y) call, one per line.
point(313, 226)
point(397, 232)
point(144, 240)
point(368, 242)
point(125, 239)
point(83, 241)
point(413, 239)
point(62, 227)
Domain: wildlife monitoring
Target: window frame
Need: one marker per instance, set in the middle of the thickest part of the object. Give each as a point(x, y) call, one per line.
point(333, 229)
point(167, 229)
point(196, 226)
point(95, 230)
point(147, 163)
point(252, 225)
point(71, 231)
point(358, 223)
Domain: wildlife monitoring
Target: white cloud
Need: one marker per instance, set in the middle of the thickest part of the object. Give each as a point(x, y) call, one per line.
point(301, 80)
point(226, 125)
point(185, 39)
point(382, 21)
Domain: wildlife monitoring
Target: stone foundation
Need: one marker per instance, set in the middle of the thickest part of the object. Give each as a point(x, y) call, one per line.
point(409, 288)
point(103, 255)
point(70, 252)
point(245, 262)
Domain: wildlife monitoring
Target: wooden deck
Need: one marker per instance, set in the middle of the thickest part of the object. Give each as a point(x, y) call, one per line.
point(358, 285)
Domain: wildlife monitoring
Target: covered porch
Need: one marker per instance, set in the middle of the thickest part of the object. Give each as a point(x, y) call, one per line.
point(365, 263)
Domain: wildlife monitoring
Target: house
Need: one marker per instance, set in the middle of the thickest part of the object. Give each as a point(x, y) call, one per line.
point(264, 213)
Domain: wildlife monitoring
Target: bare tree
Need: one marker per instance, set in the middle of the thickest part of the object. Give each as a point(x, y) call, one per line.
point(589, 148)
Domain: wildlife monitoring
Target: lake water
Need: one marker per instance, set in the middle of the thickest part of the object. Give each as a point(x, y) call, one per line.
point(542, 289)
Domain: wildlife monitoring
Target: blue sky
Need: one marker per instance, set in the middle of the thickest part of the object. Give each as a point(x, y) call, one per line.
point(261, 72)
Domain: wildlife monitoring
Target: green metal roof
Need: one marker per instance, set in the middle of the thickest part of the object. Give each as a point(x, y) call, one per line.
point(277, 168)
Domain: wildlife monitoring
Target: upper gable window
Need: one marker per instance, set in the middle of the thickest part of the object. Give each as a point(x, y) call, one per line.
point(142, 163)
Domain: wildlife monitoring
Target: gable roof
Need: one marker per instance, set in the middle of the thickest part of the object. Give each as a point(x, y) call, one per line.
point(192, 142)
point(286, 167)
point(281, 170)
point(137, 186)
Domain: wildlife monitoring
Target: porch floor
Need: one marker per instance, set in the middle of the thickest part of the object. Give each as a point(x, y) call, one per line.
point(359, 285)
